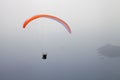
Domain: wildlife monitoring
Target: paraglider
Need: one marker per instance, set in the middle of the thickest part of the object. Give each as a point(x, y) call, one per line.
point(44, 56)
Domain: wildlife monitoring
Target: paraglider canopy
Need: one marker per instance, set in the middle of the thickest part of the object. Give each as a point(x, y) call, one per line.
point(47, 16)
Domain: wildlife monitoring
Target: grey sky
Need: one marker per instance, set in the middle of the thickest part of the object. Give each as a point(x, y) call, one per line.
point(94, 23)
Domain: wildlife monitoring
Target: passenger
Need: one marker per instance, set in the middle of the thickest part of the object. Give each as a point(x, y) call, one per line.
point(44, 56)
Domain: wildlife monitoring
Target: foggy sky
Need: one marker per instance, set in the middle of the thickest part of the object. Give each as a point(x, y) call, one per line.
point(94, 23)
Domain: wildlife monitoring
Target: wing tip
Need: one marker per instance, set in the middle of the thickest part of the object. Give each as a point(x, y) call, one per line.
point(23, 26)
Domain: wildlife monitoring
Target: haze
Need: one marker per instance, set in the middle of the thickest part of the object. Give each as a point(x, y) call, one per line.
point(94, 23)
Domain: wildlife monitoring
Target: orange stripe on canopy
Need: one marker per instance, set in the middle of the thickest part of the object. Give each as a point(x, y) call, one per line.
point(47, 16)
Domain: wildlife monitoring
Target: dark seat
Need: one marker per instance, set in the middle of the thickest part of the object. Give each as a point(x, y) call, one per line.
point(44, 56)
